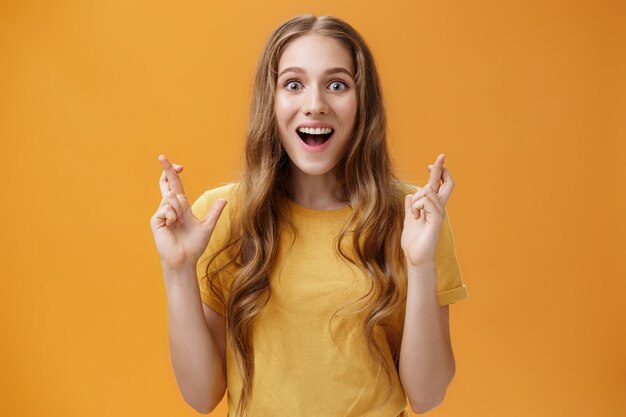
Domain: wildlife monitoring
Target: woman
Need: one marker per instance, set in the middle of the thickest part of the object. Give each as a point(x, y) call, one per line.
point(324, 269)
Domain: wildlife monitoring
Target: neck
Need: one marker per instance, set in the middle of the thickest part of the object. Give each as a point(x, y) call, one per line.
point(317, 192)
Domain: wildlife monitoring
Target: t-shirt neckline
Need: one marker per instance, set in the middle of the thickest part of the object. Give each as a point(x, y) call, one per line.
point(339, 213)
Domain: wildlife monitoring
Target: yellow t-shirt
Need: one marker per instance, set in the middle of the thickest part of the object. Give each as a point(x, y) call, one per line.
point(300, 370)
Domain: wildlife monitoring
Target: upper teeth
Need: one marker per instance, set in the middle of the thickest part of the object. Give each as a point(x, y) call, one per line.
point(315, 131)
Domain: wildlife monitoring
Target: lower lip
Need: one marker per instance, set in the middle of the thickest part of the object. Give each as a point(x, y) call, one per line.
point(316, 148)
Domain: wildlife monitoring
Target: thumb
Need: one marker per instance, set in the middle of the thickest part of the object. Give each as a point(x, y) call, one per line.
point(214, 213)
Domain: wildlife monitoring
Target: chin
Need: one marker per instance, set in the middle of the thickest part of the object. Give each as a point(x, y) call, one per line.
point(314, 168)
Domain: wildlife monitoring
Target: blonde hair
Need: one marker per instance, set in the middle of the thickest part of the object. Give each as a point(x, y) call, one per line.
point(366, 175)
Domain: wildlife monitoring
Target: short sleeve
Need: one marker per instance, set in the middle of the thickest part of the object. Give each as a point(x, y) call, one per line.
point(450, 286)
point(212, 293)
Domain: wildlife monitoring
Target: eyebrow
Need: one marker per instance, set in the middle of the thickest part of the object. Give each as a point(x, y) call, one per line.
point(334, 70)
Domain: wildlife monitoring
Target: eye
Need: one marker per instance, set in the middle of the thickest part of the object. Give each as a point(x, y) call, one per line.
point(338, 86)
point(293, 85)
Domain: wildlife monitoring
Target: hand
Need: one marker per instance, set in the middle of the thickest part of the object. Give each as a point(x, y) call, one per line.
point(181, 238)
point(424, 212)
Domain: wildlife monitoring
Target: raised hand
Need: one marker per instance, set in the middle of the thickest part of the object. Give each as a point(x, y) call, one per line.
point(181, 238)
point(424, 212)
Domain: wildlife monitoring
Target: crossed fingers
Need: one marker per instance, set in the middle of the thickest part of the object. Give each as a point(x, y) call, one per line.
point(170, 181)
point(172, 190)
point(437, 191)
point(426, 192)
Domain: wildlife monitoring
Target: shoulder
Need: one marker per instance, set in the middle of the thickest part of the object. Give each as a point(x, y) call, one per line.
point(202, 205)
point(222, 191)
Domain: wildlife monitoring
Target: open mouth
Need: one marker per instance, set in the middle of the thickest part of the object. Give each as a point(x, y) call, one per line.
point(314, 139)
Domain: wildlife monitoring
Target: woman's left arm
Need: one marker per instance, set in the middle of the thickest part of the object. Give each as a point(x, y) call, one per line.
point(426, 365)
point(426, 360)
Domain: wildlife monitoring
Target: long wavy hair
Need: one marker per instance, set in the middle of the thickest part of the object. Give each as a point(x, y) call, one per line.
point(366, 175)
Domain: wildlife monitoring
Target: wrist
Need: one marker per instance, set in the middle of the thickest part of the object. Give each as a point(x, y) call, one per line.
point(422, 274)
point(182, 278)
point(178, 272)
point(424, 265)
point(178, 268)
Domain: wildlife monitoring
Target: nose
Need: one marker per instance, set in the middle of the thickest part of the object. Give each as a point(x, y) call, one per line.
point(314, 103)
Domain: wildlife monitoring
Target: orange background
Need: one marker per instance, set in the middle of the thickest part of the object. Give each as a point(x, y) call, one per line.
point(526, 98)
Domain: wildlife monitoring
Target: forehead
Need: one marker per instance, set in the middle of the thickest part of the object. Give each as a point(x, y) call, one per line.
point(315, 53)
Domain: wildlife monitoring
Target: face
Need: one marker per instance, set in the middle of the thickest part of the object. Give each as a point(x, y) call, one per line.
point(315, 102)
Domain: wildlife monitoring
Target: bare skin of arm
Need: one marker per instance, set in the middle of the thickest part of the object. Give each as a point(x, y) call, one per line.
point(426, 359)
point(197, 348)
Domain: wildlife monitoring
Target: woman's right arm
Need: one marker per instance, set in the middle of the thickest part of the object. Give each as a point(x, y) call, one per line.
point(181, 238)
point(195, 355)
